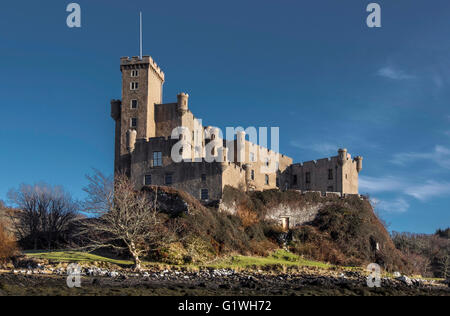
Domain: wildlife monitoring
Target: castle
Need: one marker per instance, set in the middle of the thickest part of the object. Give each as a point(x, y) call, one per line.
point(144, 147)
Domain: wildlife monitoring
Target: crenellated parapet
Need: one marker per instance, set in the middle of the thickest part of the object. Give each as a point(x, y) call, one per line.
point(145, 62)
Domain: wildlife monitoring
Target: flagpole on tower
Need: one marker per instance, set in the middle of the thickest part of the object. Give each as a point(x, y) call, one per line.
point(140, 35)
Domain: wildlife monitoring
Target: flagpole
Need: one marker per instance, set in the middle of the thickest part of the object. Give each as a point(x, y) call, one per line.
point(140, 35)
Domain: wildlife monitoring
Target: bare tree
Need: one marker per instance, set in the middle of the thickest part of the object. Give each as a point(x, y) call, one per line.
point(45, 214)
point(124, 218)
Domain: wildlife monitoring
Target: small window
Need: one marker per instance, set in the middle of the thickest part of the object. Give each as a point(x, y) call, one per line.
point(252, 174)
point(203, 177)
point(267, 179)
point(267, 162)
point(308, 177)
point(346, 176)
point(133, 122)
point(294, 180)
point(157, 159)
point(135, 73)
point(168, 179)
point(134, 104)
point(134, 85)
point(330, 174)
point(147, 179)
point(204, 194)
point(330, 189)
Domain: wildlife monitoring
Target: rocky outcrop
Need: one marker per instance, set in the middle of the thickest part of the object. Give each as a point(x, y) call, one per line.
point(300, 208)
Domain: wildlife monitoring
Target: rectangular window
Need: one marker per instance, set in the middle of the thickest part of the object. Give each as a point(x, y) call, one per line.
point(168, 179)
point(294, 180)
point(308, 177)
point(157, 159)
point(204, 194)
point(330, 189)
point(252, 174)
point(330, 174)
point(134, 85)
point(267, 179)
point(134, 104)
point(135, 73)
point(147, 179)
point(203, 177)
point(133, 122)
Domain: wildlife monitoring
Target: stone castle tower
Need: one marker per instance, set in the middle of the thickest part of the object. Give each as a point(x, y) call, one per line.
point(142, 88)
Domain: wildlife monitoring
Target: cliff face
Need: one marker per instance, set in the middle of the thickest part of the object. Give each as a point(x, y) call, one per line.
point(273, 205)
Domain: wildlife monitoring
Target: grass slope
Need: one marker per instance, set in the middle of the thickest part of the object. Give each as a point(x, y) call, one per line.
point(279, 257)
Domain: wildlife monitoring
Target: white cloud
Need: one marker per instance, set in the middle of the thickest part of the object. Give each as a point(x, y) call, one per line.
point(398, 205)
point(420, 191)
point(440, 155)
point(428, 190)
point(376, 185)
point(393, 73)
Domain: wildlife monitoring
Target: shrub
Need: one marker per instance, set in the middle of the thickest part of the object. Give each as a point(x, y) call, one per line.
point(8, 246)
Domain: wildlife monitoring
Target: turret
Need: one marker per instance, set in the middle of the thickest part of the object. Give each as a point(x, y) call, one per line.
point(115, 109)
point(131, 140)
point(248, 172)
point(183, 99)
point(358, 160)
point(240, 141)
point(342, 157)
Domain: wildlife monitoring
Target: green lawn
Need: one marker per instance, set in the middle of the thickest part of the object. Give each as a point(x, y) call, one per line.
point(74, 256)
point(280, 257)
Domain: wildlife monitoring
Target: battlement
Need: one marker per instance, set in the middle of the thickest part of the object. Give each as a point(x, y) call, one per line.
point(146, 60)
point(316, 163)
point(340, 195)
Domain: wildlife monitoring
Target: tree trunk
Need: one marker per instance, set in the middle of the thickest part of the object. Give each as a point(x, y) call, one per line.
point(137, 263)
point(134, 253)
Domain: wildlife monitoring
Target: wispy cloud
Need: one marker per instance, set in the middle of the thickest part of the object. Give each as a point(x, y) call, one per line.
point(420, 191)
point(440, 156)
point(393, 73)
point(428, 190)
point(399, 205)
point(376, 185)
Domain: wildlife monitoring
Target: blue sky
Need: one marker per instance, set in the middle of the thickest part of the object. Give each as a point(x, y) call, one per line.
point(313, 68)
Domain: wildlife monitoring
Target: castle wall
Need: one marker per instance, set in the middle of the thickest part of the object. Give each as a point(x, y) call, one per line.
point(166, 119)
point(233, 175)
point(324, 175)
point(350, 177)
point(185, 176)
point(317, 172)
point(259, 167)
